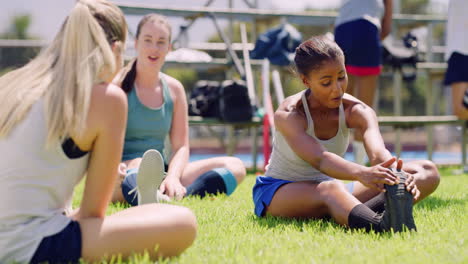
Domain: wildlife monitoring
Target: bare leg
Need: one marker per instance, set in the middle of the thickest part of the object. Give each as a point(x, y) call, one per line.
point(197, 168)
point(426, 174)
point(193, 171)
point(134, 163)
point(170, 228)
point(364, 90)
point(458, 91)
point(424, 171)
point(312, 200)
point(117, 195)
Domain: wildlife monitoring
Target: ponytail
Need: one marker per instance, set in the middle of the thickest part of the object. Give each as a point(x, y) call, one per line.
point(64, 73)
point(129, 76)
point(85, 51)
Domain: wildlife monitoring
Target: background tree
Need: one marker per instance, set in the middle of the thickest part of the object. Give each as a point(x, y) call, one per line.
point(13, 57)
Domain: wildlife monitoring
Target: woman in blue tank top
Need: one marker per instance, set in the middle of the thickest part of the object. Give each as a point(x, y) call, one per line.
point(306, 165)
point(157, 110)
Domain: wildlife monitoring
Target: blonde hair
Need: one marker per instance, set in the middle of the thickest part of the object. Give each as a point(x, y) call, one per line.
point(66, 71)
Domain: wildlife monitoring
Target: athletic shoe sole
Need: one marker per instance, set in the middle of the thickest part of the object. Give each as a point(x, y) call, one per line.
point(399, 206)
point(150, 175)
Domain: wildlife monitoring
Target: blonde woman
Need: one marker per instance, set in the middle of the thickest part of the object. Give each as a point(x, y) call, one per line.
point(59, 119)
point(157, 109)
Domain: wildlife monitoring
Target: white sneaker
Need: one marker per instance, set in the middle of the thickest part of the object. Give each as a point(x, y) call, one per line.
point(149, 178)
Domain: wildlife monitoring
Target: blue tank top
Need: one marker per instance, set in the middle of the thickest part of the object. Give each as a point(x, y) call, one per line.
point(147, 128)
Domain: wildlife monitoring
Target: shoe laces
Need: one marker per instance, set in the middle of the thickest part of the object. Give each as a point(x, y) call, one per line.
point(135, 193)
point(158, 195)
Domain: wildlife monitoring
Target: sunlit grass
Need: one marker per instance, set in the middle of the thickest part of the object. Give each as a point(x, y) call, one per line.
point(229, 232)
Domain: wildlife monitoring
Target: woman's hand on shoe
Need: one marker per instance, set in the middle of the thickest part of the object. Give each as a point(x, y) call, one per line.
point(411, 186)
point(410, 182)
point(173, 188)
point(376, 176)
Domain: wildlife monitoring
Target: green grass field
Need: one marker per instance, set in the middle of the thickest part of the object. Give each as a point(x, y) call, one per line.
point(229, 232)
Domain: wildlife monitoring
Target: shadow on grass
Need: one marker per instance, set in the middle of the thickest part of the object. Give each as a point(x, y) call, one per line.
point(273, 222)
point(326, 225)
point(432, 203)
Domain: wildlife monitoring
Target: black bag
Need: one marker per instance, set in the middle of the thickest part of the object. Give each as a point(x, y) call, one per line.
point(204, 99)
point(234, 102)
point(402, 55)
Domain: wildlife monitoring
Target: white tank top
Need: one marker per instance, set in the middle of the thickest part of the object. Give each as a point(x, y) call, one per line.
point(371, 10)
point(36, 185)
point(457, 23)
point(285, 164)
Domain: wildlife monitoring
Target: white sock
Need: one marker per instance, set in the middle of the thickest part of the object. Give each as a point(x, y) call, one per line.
point(359, 152)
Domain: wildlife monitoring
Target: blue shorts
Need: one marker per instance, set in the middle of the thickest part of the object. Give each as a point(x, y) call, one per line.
point(266, 187)
point(360, 41)
point(457, 69)
point(63, 247)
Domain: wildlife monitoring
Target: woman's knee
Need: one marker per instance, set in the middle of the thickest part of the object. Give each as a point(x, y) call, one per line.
point(432, 175)
point(426, 174)
point(236, 167)
point(181, 232)
point(329, 189)
point(185, 222)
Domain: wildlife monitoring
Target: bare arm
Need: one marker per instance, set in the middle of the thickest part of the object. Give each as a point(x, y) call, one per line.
point(364, 120)
point(104, 138)
point(292, 125)
point(179, 141)
point(387, 19)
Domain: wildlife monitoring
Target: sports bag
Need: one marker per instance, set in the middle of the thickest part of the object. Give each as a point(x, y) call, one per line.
point(204, 99)
point(234, 102)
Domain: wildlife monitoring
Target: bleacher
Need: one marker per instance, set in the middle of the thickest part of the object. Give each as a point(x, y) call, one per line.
point(398, 121)
point(432, 69)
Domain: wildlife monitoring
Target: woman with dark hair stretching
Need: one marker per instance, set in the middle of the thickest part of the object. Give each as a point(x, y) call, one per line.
point(303, 176)
point(60, 118)
point(157, 110)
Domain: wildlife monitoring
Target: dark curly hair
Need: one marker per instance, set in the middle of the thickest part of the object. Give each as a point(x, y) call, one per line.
point(312, 53)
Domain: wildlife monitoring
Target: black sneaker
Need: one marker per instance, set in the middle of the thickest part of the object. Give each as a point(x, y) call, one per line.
point(398, 206)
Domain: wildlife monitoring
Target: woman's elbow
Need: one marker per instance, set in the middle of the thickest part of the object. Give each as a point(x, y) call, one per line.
point(317, 160)
point(97, 213)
